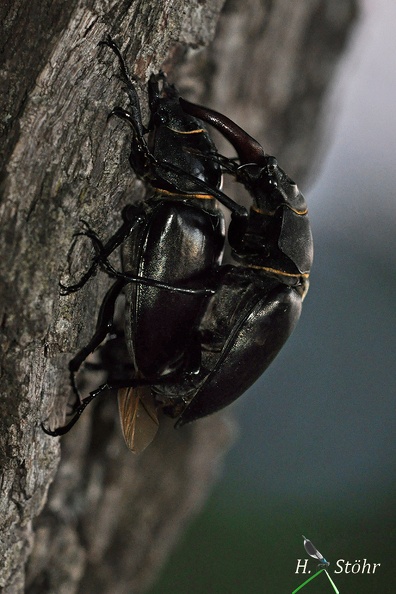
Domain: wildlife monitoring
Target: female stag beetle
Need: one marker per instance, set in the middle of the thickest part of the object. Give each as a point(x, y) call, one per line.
point(237, 317)
point(171, 243)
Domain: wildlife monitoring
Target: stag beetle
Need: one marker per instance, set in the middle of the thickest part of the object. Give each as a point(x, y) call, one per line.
point(171, 243)
point(244, 312)
point(258, 302)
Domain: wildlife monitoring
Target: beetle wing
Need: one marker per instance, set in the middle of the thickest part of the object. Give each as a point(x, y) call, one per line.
point(139, 419)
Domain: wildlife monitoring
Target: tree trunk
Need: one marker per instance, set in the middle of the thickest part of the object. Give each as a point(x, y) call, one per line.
point(109, 518)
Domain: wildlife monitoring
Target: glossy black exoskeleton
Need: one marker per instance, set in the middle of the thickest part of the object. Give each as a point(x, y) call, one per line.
point(172, 242)
point(257, 303)
point(237, 317)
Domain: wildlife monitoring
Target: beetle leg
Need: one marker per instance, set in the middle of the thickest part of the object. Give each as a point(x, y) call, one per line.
point(103, 327)
point(140, 157)
point(229, 164)
point(133, 97)
point(77, 412)
point(104, 250)
point(137, 382)
point(236, 209)
point(132, 215)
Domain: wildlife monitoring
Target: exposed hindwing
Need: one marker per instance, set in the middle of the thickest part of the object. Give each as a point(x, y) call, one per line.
point(138, 415)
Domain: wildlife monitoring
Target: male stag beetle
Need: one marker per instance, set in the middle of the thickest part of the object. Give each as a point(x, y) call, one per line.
point(257, 303)
point(238, 316)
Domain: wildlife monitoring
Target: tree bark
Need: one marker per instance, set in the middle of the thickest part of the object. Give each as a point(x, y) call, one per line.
point(109, 518)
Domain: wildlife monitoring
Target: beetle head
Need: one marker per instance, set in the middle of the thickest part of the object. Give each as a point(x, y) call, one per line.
point(165, 107)
point(269, 186)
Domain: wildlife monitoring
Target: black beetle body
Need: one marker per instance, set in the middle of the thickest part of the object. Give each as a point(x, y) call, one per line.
point(176, 243)
point(178, 238)
point(198, 333)
point(257, 304)
point(178, 232)
point(171, 244)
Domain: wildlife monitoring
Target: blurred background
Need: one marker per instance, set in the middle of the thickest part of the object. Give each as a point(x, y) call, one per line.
point(316, 450)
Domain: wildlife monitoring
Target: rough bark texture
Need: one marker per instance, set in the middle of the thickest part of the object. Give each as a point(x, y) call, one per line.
point(110, 518)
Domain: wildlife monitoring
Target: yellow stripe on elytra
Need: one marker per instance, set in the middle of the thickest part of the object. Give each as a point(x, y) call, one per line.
point(271, 213)
point(197, 131)
point(276, 271)
point(198, 196)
